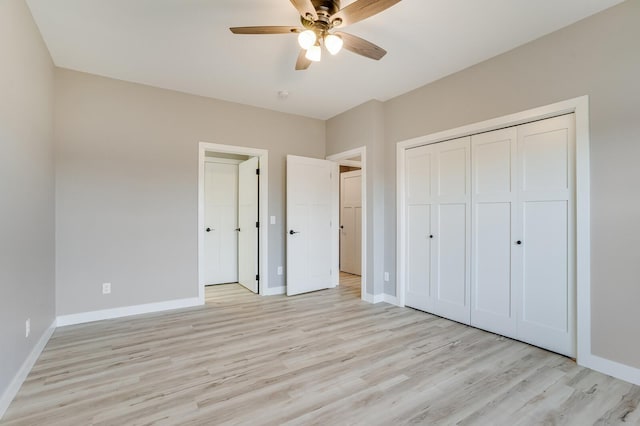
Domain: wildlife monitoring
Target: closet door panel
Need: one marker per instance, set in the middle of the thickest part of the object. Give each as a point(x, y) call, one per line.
point(451, 281)
point(453, 170)
point(493, 225)
point(418, 291)
point(492, 307)
point(419, 219)
point(546, 285)
point(451, 278)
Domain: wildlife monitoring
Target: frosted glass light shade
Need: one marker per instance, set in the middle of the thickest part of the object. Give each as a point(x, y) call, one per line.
point(314, 53)
point(333, 43)
point(306, 39)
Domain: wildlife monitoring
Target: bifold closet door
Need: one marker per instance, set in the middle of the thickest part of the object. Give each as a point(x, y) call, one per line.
point(546, 209)
point(494, 227)
point(418, 210)
point(438, 221)
point(451, 230)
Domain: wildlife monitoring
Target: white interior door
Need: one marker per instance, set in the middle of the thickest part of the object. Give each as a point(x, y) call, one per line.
point(221, 215)
point(247, 221)
point(494, 229)
point(351, 222)
point(418, 208)
point(546, 289)
point(451, 225)
point(310, 226)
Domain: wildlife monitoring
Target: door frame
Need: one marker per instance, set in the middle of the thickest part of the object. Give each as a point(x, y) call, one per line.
point(263, 214)
point(578, 106)
point(342, 158)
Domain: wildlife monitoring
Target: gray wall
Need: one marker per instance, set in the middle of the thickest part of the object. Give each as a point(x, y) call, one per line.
point(126, 185)
point(599, 57)
point(363, 126)
point(26, 187)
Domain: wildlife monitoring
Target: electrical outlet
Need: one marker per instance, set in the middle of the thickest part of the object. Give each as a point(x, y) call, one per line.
point(279, 270)
point(27, 327)
point(386, 276)
point(106, 288)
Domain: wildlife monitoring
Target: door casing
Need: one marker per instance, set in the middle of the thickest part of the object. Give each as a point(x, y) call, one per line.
point(342, 158)
point(263, 262)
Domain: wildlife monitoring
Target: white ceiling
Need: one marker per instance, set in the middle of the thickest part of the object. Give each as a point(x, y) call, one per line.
point(186, 45)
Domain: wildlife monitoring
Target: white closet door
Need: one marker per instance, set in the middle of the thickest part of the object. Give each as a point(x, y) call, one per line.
point(546, 290)
point(221, 221)
point(451, 230)
point(494, 224)
point(418, 227)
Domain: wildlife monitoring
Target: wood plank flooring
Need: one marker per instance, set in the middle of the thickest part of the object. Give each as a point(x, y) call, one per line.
point(324, 358)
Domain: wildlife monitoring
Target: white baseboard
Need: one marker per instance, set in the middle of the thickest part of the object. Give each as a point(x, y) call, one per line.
point(24, 370)
point(126, 311)
point(275, 291)
point(373, 298)
point(392, 300)
point(612, 368)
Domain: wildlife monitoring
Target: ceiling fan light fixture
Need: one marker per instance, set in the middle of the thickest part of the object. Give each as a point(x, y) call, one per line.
point(314, 53)
point(306, 39)
point(333, 43)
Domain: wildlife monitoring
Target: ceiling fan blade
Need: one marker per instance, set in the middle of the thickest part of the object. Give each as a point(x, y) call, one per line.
point(361, 46)
point(305, 7)
point(362, 9)
point(302, 63)
point(264, 30)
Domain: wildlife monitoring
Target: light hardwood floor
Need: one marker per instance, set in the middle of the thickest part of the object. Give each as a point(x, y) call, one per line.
point(321, 358)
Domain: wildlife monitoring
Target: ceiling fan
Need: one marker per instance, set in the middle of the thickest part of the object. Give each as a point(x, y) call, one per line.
point(319, 19)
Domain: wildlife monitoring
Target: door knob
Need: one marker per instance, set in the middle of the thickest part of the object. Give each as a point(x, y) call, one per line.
point(291, 232)
point(209, 229)
point(341, 226)
point(430, 236)
point(518, 242)
point(238, 229)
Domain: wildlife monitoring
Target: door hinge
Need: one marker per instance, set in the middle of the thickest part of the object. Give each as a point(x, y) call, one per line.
point(257, 224)
point(257, 277)
point(257, 171)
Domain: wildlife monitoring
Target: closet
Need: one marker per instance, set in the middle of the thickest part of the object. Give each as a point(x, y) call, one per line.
point(490, 231)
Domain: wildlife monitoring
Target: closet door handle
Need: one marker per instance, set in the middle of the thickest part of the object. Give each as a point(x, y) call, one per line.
point(209, 229)
point(430, 236)
point(238, 229)
point(519, 242)
point(291, 232)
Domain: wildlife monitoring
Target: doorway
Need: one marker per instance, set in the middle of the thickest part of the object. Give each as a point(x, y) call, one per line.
point(351, 238)
point(229, 169)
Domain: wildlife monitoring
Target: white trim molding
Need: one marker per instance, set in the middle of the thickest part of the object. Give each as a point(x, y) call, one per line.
point(373, 298)
point(84, 317)
point(263, 156)
point(612, 368)
point(578, 106)
point(392, 300)
point(25, 368)
point(275, 291)
point(343, 158)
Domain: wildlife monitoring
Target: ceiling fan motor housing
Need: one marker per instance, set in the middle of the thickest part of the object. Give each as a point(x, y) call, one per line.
point(324, 9)
point(330, 7)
